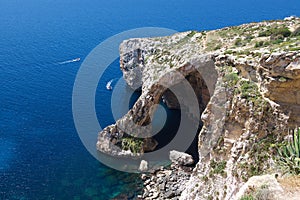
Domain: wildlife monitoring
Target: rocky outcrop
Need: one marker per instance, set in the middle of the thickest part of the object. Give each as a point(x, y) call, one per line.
point(245, 84)
point(168, 183)
point(281, 81)
point(191, 78)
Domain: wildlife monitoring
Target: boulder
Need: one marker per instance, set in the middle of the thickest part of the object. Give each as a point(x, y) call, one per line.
point(143, 166)
point(181, 158)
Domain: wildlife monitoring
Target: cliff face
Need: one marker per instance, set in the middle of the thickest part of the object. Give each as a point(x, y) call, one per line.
point(246, 82)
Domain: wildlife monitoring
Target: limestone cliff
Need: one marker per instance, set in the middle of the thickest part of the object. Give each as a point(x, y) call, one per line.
point(246, 81)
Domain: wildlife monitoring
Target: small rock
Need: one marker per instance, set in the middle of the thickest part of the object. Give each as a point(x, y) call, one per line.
point(148, 187)
point(143, 166)
point(113, 130)
point(152, 190)
point(152, 183)
point(155, 195)
point(147, 182)
point(162, 186)
point(143, 177)
point(169, 195)
point(146, 194)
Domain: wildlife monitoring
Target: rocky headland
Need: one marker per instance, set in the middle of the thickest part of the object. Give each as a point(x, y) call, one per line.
point(246, 85)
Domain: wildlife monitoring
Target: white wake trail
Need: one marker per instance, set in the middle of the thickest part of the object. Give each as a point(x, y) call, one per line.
point(69, 61)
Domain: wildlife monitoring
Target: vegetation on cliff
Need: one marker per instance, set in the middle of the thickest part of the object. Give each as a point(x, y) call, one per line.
point(132, 144)
point(289, 154)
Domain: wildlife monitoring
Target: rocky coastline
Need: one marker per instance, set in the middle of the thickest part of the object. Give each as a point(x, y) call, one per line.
point(246, 82)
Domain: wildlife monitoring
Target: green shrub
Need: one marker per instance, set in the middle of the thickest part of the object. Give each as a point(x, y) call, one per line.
point(289, 154)
point(259, 44)
point(257, 54)
point(282, 79)
point(261, 193)
point(135, 145)
point(248, 89)
point(266, 43)
point(229, 51)
point(231, 79)
point(205, 178)
point(294, 48)
point(284, 31)
point(247, 197)
point(218, 167)
point(249, 38)
point(277, 41)
point(246, 52)
point(219, 46)
point(238, 42)
point(264, 33)
point(192, 33)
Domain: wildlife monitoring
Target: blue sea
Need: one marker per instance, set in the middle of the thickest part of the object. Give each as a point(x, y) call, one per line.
point(41, 155)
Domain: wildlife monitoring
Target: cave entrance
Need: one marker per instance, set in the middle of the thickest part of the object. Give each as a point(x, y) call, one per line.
point(175, 112)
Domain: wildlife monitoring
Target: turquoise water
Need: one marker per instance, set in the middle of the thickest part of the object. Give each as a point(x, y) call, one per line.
point(41, 156)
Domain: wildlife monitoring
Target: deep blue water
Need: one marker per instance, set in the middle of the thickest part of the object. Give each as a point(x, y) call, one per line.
point(41, 155)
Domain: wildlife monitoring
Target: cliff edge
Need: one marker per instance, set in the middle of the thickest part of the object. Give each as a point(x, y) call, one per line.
point(246, 93)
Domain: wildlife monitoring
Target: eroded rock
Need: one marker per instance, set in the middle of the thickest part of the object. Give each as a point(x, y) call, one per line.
point(181, 158)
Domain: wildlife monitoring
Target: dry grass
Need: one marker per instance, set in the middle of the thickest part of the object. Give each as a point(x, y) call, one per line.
point(290, 182)
point(291, 186)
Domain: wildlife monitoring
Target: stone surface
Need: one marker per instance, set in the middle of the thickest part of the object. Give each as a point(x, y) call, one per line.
point(260, 182)
point(181, 158)
point(167, 183)
point(143, 166)
point(268, 187)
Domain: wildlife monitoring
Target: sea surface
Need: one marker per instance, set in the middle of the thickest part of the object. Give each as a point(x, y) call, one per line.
point(41, 155)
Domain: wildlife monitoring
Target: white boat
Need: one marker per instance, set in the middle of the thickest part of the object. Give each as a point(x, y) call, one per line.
point(108, 85)
point(76, 60)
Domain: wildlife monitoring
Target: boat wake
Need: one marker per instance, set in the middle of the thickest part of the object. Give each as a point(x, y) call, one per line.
point(69, 61)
